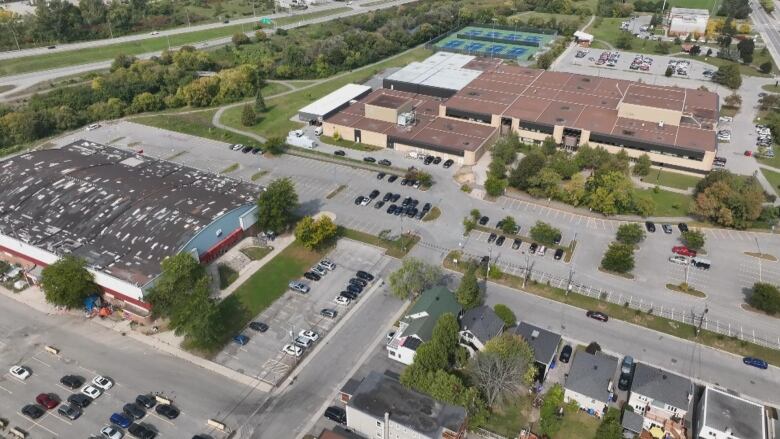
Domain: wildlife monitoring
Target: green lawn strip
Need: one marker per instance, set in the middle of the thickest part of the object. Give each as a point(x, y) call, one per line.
point(771, 88)
point(667, 203)
point(765, 256)
point(276, 121)
point(103, 53)
point(695, 4)
point(432, 215)
point(196, 124)
point(509, 418)
point(647, 320)
point(226, 276)
point(256, 253)
point(229, 169)
point(348, 144)
point(771, 161)
point(355, 163)
point(747, 70)
point(671, 179)
point(397, 248)
point(729, 111)
point(685, 290)
point(773, 178)
point(577, 424)
point(258, 175)
point(615, 273)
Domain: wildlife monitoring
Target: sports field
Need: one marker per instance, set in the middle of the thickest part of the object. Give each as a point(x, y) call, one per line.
point(507, 44)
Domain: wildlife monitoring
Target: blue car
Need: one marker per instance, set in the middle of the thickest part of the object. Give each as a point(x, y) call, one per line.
point(241, 339)
point(755, 362)
point(120, 420)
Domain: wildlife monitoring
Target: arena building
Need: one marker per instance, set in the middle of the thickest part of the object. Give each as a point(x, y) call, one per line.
point(120, 211)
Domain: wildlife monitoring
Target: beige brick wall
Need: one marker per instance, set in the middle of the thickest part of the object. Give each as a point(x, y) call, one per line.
point(649, 114)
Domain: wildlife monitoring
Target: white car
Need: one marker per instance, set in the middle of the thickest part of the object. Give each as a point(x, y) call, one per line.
point(341, 300)
point(110, 432)
point(295, 351)
point(91, 391)
point(319, 270)
point(20, 372)
point(311, 335)
point(102, 382)
point(154, 32)
point(93, 126)
point(302, 342)
point(237, 147)
point(679, 259)
point(327, 263)
point(365, 201)
point(541, 250)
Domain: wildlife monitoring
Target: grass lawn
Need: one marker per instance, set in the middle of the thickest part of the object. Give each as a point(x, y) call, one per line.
point(578, 424)
point(771, 88)
point(773, 177)
point(348, 144)
point(608, 30)
point(510, 418)
point(747, 70)
point(729, 111)
point(695, 4)
point(84, 56)
point(276, 121)
point(397, 248)
point(671, 179)
point(226, 276)
point(667, 203)
point(256, 253)
point(673, 328)
point(196, 124)
point(432, 215)
point(774, 161)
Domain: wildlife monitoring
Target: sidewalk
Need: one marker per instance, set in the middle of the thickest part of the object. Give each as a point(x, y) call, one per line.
point(279, 244)
point(637, 181)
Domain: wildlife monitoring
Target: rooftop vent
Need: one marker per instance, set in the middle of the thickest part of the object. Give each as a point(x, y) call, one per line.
point(534, 334)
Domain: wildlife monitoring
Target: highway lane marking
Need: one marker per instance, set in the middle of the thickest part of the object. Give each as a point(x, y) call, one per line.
point(41, 361)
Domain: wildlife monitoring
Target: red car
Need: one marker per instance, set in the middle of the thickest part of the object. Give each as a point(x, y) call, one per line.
point(683, 250)
point(47, 400)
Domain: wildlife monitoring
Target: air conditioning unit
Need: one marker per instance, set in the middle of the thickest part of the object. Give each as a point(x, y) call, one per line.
point(406, 119)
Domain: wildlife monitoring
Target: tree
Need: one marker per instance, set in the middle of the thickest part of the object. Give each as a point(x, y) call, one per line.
point(549, 422)
point(549, 146)
point(468, 293)
point(503, 368)
point(618, 258)
point(504, 313)
point(624, 41)
point(494, 186)
point(179, 276)
point(414, 277)
point(766, 67)
point(508, 225)
point(765, 297)
point(276, 204)
point(642, 165)
point(240, 38)
point(630, 234)
point(544, 233)
point(746, 48)
point(475, 214)
point(313, 234)
point(693, 239)
point(67, 282)
point(529, 166)
point(275, 145)
point(248, 116)
point(259, 101)
point(610, 427)
point(728, 75)
point(724, 199)
point(669, 72)
point(733, 100)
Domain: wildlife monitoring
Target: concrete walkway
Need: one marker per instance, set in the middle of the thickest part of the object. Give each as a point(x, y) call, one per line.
point(279, 244)
point(643, 184)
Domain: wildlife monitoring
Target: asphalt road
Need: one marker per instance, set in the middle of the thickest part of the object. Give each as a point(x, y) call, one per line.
point(88, 349)
point(769, 27)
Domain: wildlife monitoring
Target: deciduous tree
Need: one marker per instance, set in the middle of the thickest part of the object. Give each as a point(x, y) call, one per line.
point(469, 294)
point(414, 277)
point(276, 205)
point(693, 239)
point(544, 233)
point(313, 233)
point(505, 314)
point(618, 258)
point(67, 282)
point(765, 297)
point(630, 234)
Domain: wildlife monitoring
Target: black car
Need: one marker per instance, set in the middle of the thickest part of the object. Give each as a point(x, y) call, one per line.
point(404, 181)
point(201, 436)
point(329, 313)
point(352, 288)
point(348, 294)
point(258, 326)
point(358, 200)
point(650, 226)
point(448, 163)
point(420, 214)
point(33, 411)
point(391, 209)
point(385, 162)
point(167, 410)
point(392, 178)
point(80, 400)
point(379, 204)
point(398, 211)
point(369, 159)
point(70, 411)
point(532, 248)
point(414, 202)
point(395, 197)
point(557, 240)
point(336, 414)
point(72, 381)
point(380, 176)
point(365, 276)
point(426, 207)
point(256, 150)
point(246, 149)
point(312, 276)
point(373, 194)
point(436, 160)
point(339, 152)
point(484, 220)
point(133, 411)
point(492, 238)
point(597, 315)
point(147, 401)
point(428, 160)
point(683, 227)
point(558, 254)
point(406, 201)
point(388, 196)
point(411, 212)
point(141, 431)
point(500, 240)
point(565, 354)
point(516, 243)
point(358, 281)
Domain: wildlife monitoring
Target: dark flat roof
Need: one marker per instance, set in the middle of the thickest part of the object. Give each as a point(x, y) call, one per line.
point(387, 101)
point(122, 212)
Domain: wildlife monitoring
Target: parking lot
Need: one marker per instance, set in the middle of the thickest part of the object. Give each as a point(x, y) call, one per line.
point(262, 356)
point(637, 63)
point(87, 350)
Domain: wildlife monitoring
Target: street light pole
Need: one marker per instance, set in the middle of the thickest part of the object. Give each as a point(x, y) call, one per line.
point(759, 259)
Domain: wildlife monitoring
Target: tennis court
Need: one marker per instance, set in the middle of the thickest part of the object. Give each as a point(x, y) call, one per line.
point(519, 45)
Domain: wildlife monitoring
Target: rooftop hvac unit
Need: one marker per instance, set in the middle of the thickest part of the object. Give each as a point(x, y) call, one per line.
point(406, 119)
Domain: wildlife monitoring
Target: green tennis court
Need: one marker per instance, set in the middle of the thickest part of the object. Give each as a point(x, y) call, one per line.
point(500, 43)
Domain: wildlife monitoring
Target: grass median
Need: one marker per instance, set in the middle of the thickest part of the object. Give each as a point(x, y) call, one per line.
point(639, 318)
point(397, 247)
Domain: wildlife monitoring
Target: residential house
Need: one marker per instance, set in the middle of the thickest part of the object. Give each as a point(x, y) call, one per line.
point(417, 326)
point(543, 342)
point(477, 326)
point(590, 381)
point(382, 408)
point(662, 398)
point(722, 415)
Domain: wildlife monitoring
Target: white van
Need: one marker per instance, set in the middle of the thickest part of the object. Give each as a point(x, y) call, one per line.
point(318, 131)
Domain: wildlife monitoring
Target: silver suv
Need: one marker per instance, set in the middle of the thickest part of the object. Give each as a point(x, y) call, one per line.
point(299, 287)
point(327, 264)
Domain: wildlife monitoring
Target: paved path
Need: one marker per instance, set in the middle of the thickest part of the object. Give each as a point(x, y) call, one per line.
point(643, 184)
point(279, 244)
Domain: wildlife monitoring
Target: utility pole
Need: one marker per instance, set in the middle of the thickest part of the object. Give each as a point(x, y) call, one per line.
point(110, 32)
point(13, 32)
point(759, 260)
point(701, 318)
point(571, 276)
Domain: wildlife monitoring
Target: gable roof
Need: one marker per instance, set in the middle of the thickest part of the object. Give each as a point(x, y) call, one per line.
point(431, 305)
point(481, 321)
point(590, 374)
point(661, 386)
point(543, 342)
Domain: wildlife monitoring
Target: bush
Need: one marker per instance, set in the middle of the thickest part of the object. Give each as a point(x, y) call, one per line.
point(766, 67)
point(693, 239)
point(618, 258)
point(545, 233)
point(765, 297)
point(239, 39)
point(505, 314)
point(630, 234)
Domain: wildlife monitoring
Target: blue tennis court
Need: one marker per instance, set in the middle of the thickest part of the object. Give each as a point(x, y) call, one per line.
point(453, 44)
point(473, 46)
point(517, 51)
point(494, 49)
point(517, 44)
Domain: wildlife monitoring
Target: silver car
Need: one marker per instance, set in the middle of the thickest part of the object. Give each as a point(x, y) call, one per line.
point(326, 263)
point(299, 287)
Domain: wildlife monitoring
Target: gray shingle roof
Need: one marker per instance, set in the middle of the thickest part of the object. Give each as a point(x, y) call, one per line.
point(661, 386)
point(745, 419)
point(633, 421)
point(590, 374)
point(481, 321)
point(379, 394)
point(543, 342)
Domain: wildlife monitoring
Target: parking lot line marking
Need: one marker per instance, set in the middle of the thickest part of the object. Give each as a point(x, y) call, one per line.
point(161, 418)
point(36, 423)
point(9, 392)
point(41, 361)
point(60, 418)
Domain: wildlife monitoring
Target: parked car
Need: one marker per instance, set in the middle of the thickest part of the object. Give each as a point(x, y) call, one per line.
point(392, 178)
point(626, 372)
point(558, 254)
point(484, 220)
point(240, 339)
point(678, 259)
point(120, 420)
point(319, 270)
point(565, 354)
point(133, 411)
point(258, 326)
point(339, 152)
point(650, 226)
point(20, 372)
point(33, 411)
point(597, 315)
point(364, 275)
point(356, 289)
point(341, 300)
point(667, 228)
point(141, 431)
point(109, 432)
point(80, 400)
point(380, 176)
point(358, 281)
point(71, 412)
point(683, 227)
point(541, 251)
point(91, 391)
point(167, 411)
point(291, 349)
point(47, 400)
point(359, 200)
point(428, 160)
point(516, 243)
point(72, 381)
point(448, 163)
point(385, 162)
point(533, 247)
point(369, 159)
point(336, 414)
point(299, 287)
point(312, 276)
point(146, 401)
point(104, 383)
point(683, 250)
point(329, 313)
point(500, 240)
point(311, 335)
point(492, 237)
point(755, 362)
point(351, 295)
